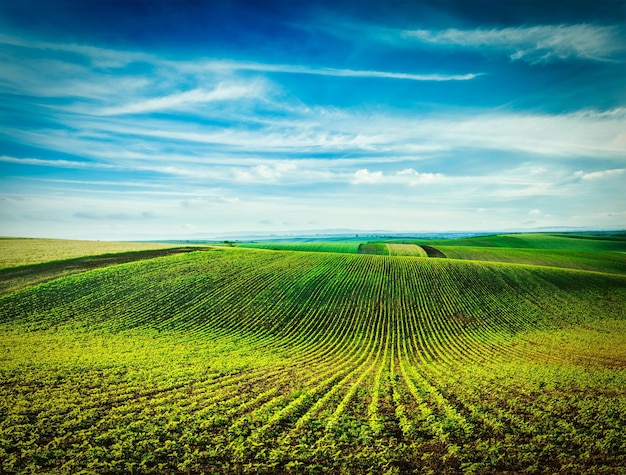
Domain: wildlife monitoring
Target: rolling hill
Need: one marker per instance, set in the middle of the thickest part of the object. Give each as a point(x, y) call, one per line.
point(261, 361)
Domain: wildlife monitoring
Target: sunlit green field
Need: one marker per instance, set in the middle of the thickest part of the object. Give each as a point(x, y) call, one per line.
point(259, 361)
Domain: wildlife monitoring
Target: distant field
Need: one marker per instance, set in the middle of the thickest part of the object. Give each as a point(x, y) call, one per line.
point(613, 262)
point(331, 246)
point(585, 252)
point(603, 253)
point(349, 247)
point(22, 251)
point(261, 361)
point(565, 242)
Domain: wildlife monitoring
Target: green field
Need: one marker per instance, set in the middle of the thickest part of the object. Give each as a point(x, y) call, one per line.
point(259, 361)
point(317, 246)
point(604, 253)
point(350, 247)
point(600, 253)
point(16, 278)
point(562, 242)
point(602, 261)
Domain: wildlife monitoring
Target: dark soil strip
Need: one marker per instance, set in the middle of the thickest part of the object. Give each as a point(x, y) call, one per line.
point(17, 278)
point(433, 251)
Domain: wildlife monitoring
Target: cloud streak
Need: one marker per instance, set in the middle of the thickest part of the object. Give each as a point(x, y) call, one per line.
point(223, 66)
point(99, 57)
point(533, 44)
point(599, 175)
point(223, 92)
point(56, 163)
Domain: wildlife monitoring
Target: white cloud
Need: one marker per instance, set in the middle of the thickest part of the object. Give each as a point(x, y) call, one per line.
point(222, 92)
point(535, 212)
point(93, 215)
point(264, 172)
point(55, 78)
point(229, 200)
point(395, 137)
point(581, 133)
point(204, 201)
point(100, 57)
point(258, 153)
point(534, 44)
point(600, 174)
point(365, 176)
point(414, 177)
point(522, 190)
point(55, 163)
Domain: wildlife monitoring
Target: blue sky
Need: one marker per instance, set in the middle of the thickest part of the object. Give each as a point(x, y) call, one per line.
point(157, 119)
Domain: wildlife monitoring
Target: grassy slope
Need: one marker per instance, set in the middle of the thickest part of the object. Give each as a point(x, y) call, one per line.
point(16, 278)
point(267, 361)
point(16, 252)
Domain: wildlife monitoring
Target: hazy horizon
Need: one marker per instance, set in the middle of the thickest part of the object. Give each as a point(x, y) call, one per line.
point(121, 120)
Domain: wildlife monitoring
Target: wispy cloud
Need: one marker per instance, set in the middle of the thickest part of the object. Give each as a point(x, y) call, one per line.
point(56, 163)
point(247, 115)
point(206, 201)
point(344, 141)
point(91, 215)
point(223, 66)
point(100, 57)
point(600, 174)
point(581, 133)
point(223, 92)
point(264, 172)
point(534, 44)
point(111, 58)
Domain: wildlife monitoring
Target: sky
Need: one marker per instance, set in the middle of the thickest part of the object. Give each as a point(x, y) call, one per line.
point(183, 119)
